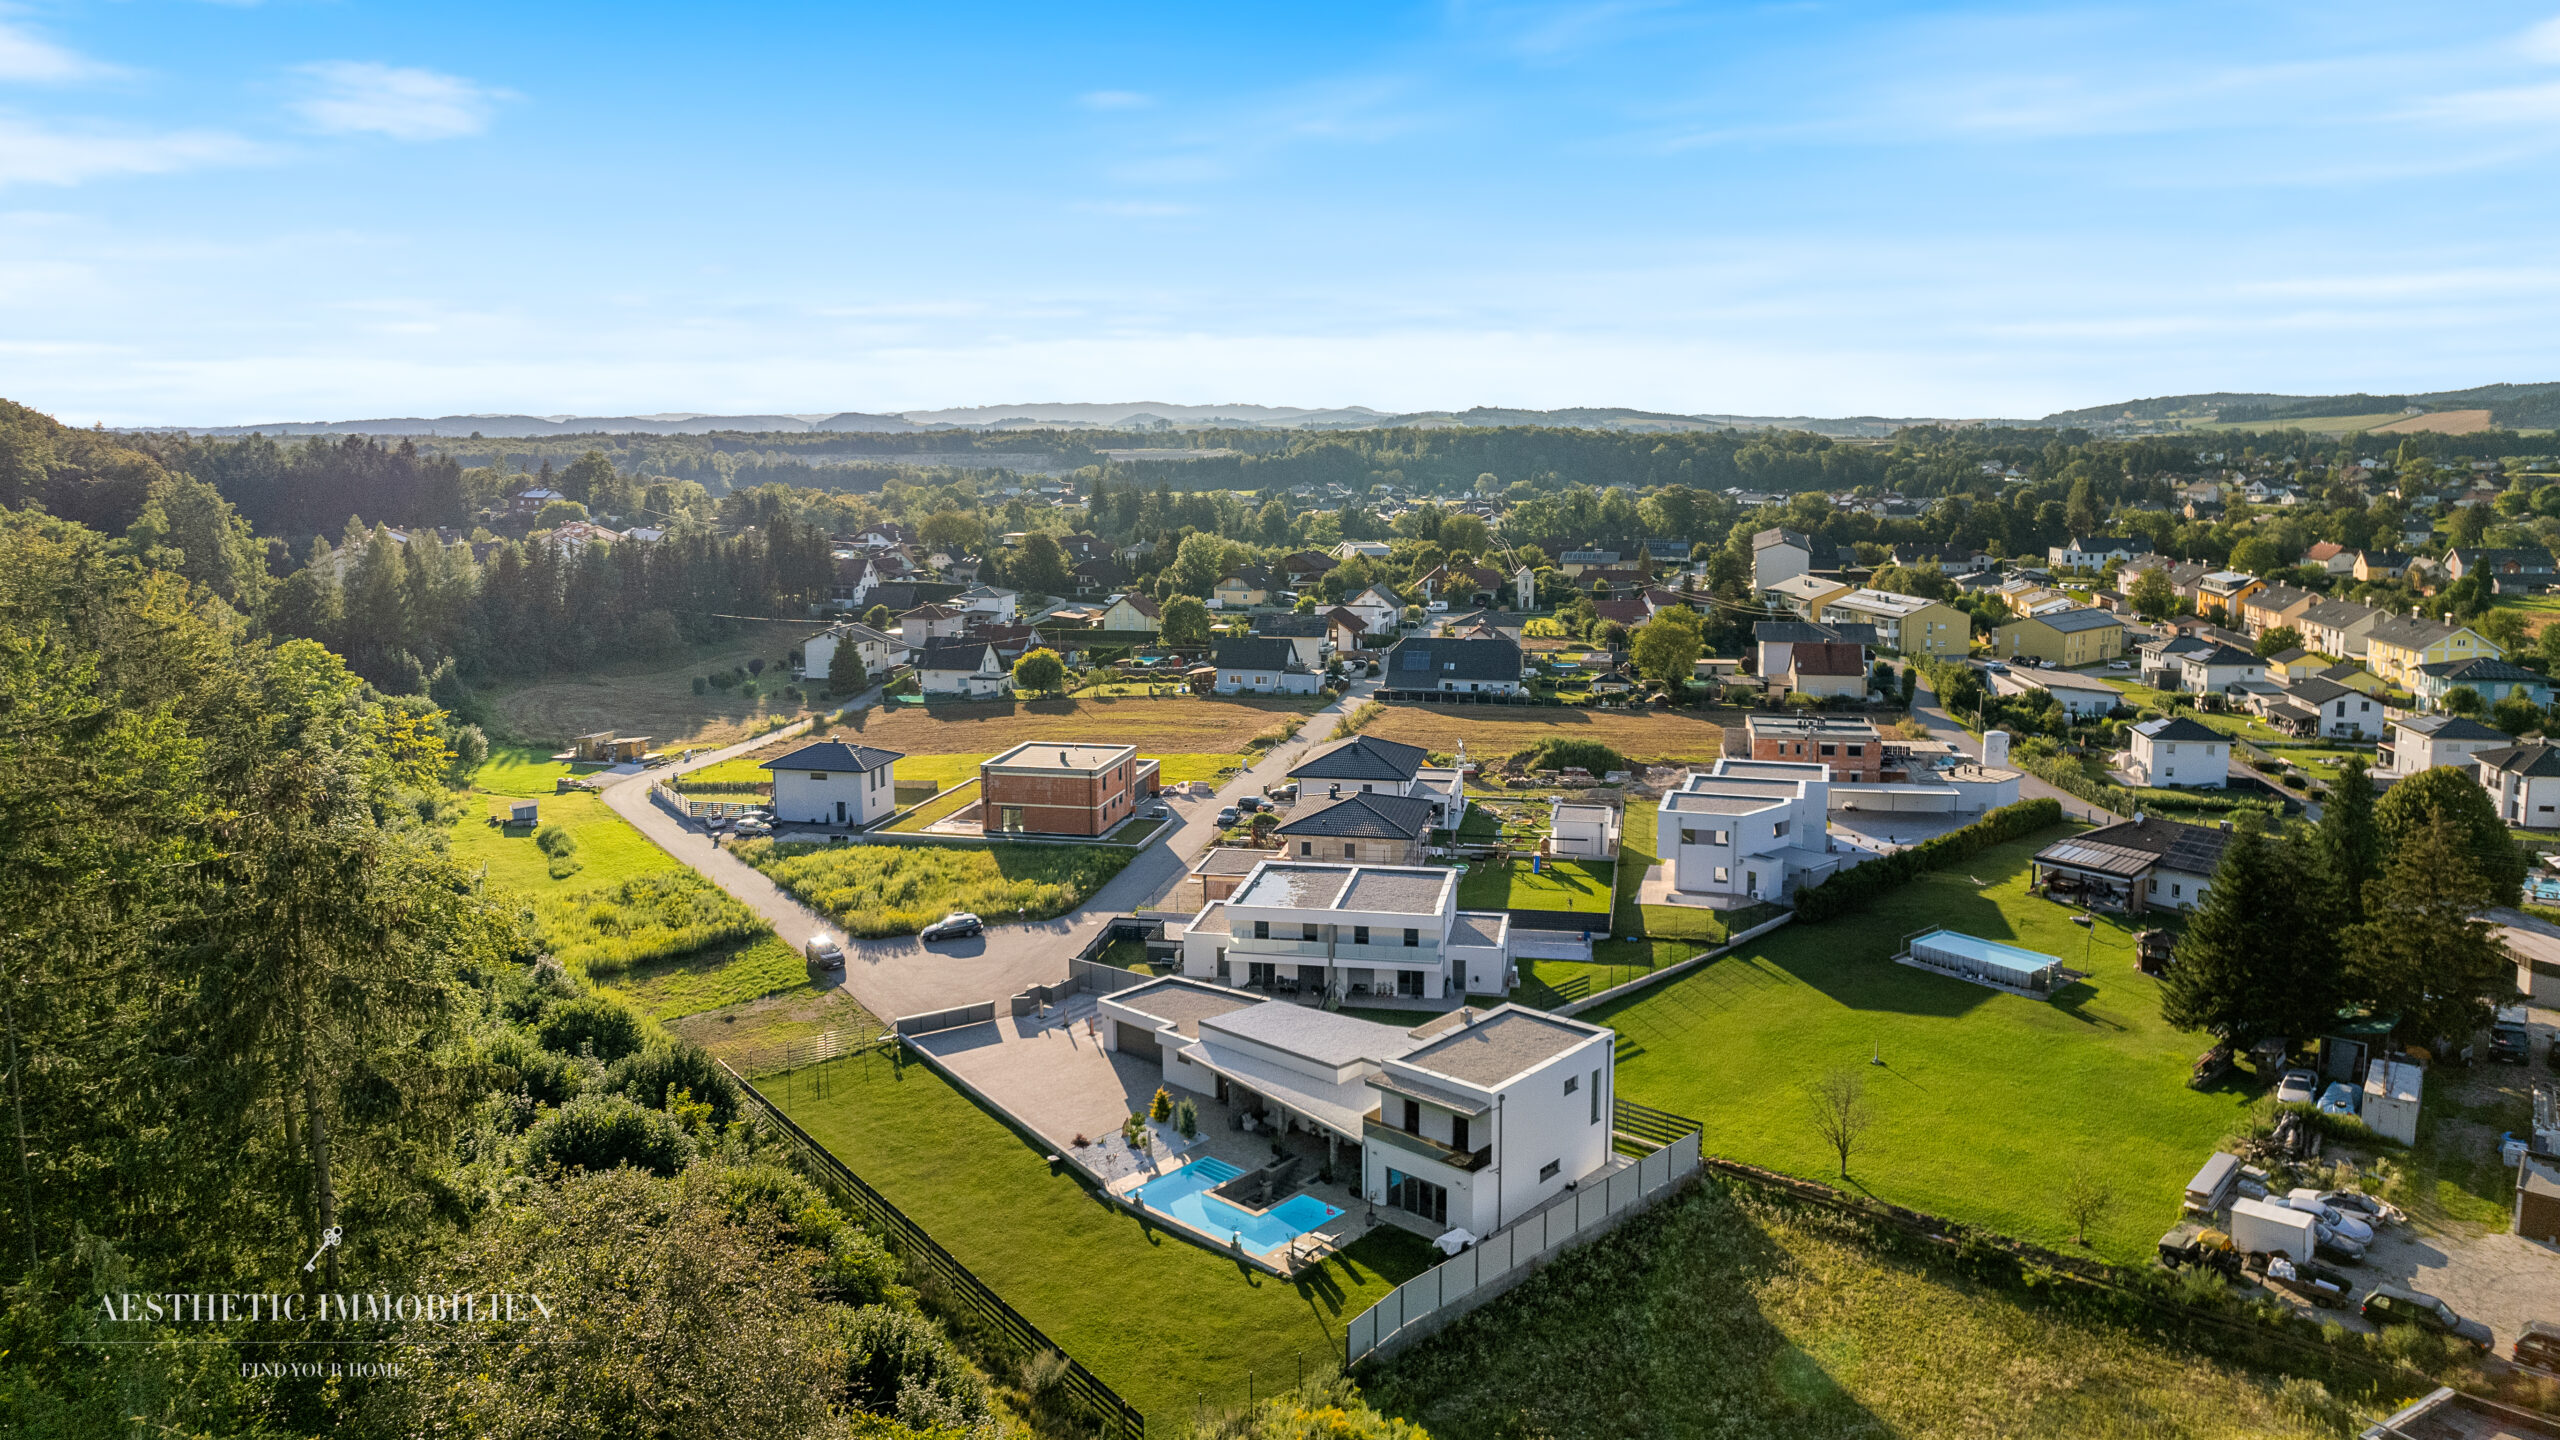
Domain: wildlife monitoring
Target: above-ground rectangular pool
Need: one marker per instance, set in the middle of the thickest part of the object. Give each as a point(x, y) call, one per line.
point(1185, 1196)
point(1974, 956)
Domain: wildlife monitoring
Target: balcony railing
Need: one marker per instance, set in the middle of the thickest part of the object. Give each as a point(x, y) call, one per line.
point(1372, 1128)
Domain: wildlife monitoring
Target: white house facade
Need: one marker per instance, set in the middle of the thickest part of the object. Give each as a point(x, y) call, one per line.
point(1360, 934)
point(832, 783)
point(1758, 835)
point(2175, 750)
point(968, 669)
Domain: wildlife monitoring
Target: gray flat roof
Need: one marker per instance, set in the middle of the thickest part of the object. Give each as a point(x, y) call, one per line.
point(1325, 1036)
point(1181, 1003)
point(1690, 802)
point(1477, 927)
point(1499, 1046)
point(1295, 887)
point(1229, 860)
point(1402, 892)
point(1062, 755)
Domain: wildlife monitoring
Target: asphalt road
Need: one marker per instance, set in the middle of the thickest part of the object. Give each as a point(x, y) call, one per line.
point(902, 976)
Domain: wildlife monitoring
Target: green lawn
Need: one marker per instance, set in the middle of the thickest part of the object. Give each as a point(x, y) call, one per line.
point(1985, 1101)
point(624, 911)
point(963, 794)
point(874, 890)
point(1580, 886)
point(2249, 727)
point(1159, 1319)
point(518, 770)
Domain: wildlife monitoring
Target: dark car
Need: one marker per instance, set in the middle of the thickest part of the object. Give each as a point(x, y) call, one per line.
point(954, 926)
point(2538, 1347)
point(1230, 815)
point(2391, 1305)
point(2510, 1042)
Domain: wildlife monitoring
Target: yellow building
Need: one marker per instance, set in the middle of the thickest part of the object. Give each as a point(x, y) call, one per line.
point(2398, 644)
point(1244, 588)
point(2069, 638)
point(1803, 594)
point(1905, 624)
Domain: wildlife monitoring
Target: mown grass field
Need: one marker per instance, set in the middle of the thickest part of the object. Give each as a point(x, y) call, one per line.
point(1181, 725)
point(621, 911)
point(657, 699)
point(1159, 1319)
point(1493, 731)
point(1580, 886)
point(875, 890)
point(946, 770)
point(1984, 1102)
point(1718, 1314)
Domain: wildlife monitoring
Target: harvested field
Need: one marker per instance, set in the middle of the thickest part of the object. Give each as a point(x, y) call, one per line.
point(657, 699)
point(2443, 422)
point(1189, 724)
point(1492, 731)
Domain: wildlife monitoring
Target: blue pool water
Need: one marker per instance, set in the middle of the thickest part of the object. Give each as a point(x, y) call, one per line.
point(1943, 946)
point(2542, 888)
point(1185, 1196)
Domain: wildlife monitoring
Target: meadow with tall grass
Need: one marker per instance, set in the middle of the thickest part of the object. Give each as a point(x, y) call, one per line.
point(876, 890)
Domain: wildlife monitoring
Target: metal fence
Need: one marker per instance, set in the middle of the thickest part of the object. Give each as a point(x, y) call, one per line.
point(1423, 1305)
point(926, 1260)
point(816, 1050)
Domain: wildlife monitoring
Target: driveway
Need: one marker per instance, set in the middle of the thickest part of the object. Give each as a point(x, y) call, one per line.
point(1926, 709)
point(900, 976)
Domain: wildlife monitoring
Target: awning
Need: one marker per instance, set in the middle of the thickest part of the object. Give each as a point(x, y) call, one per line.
point(1281, 1088)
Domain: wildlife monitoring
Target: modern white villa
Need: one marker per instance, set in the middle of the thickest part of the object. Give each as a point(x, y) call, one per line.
point(1357, 934)
point(1467, 1121)
point(832, 783)
point(1748, 829)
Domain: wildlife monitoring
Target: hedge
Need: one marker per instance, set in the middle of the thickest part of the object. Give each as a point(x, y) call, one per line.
point(1860, 886)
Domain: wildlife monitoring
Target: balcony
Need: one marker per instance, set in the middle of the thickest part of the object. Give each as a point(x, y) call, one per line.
point(1372, 1129)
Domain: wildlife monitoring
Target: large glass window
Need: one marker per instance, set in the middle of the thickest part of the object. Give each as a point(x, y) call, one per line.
point(1421, 1197)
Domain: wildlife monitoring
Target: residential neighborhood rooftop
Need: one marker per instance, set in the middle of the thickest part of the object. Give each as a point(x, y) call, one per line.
point(1502, 1044)
point(833, 755)
point(1182, 1003)
point(1364, 757)
point(1061, 755)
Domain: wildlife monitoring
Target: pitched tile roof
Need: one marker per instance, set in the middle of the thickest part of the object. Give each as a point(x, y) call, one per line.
point(1259, 652)
point(833, 755)
point(1365, 757)
point(1365, 815)
point(1451, 659)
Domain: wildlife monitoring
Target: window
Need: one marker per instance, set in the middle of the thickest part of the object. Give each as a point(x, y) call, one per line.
point(1595, 1097)
point(1857, 750)
point(1779, 829)
point(1350, 851)
point(1572, 1083)
point(1306, 932)
point(1261, 929)
point(1550, 1170)
point(1412, 939)
point(1307, 848)
point(2175, 890)
point(1723, 876)
point(1830, 749)
point(817, 774)
point(1409, 984)
point(1458, 1132)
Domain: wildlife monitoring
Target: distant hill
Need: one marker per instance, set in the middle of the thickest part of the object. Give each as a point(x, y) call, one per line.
point(1140, 416)
point(2510, 407)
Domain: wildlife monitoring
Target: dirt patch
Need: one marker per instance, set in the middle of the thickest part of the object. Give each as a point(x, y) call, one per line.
point(1493, 731)
point(2442, 422)
point(1187, 724)
point(657, 700)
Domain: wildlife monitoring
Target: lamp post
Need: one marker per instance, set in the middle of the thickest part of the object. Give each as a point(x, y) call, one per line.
point(2089, 927)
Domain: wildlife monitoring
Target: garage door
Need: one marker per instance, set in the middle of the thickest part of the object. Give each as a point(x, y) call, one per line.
point(1141, 1043)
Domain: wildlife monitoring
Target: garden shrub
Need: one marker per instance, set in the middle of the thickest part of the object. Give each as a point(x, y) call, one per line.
point(897, 1363)
point(661, 1068)
point(858, 1269)
point(1855, 889)
point(597, 1021)
point(546, 1076)
point(601, 1132)
point(562, 847)
point(1562, 753)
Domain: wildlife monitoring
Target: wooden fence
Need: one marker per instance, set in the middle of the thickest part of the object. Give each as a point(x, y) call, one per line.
point(926, 1260)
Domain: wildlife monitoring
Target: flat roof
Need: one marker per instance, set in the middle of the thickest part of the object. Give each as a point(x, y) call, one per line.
point(1229, 860)
point(1311, 885)
point(1296, 887)
point(1691, 802)
point(1327, 1037)
point(1850, 725)
point(1071, 755)
point(1479, 927)
point(1501, 1045)
point(1403, 892)
point(1181, 1003)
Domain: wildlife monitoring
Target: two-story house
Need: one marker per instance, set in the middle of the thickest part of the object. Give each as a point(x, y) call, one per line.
point(2491, 680)
point(1262, 665)
point(1379, 610)
point(1305, 634)
point(1352, 932)
point(1361, 827)
point(1133, 611)
point(1243, 588)
point(1778, 554)
point(1848, 744)
point(2068, 637)
point(833, 783)
point(878, 651)
point(1487, 666)
point(2212, 670)
point(1051, 787)
point(1758, 830)
point(1365, 764)
point(2092, 552)
point(2335, 711)
point(2398, 647)
point(2175, 750)
point(1904, 624)
point(2524, 782)
point(2337, 627)
point(2423, 742)
point(967, 669)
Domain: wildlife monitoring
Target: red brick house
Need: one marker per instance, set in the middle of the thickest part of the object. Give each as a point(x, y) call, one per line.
point(1048, 787)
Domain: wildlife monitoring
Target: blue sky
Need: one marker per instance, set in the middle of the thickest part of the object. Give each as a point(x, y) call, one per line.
point(218, 213)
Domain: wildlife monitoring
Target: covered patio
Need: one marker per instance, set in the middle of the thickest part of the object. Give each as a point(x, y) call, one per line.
point(2097, 876)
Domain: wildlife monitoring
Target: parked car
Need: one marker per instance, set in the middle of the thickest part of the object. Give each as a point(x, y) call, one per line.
point(1230, 815)
point(2392, 1305)
point(2537, 1346)
point(2351, 1226)
point(2339, 1099)
point(750, 825)
point(2370, 1209)
point(1249, 803)
point(824, 953)
point(2510, 1041)
point(2119, 664)
point(1995, 667)
point(957, 925)
point(2297, 1087)
point(2333, 1244)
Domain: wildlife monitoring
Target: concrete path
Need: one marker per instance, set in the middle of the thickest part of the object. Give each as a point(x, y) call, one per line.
point(901, 976)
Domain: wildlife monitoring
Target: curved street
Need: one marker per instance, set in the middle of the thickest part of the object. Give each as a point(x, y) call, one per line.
point(901, 975)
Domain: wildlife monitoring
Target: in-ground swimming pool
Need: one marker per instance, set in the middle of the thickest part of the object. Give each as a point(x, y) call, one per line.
point(2542, 887)
point(1185, 1196)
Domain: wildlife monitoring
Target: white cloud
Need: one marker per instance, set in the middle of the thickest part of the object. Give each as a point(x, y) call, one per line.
point(30, 57)
point(2542, 41)
point(362, 97)
point(1114, 100)
point(32, 155)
